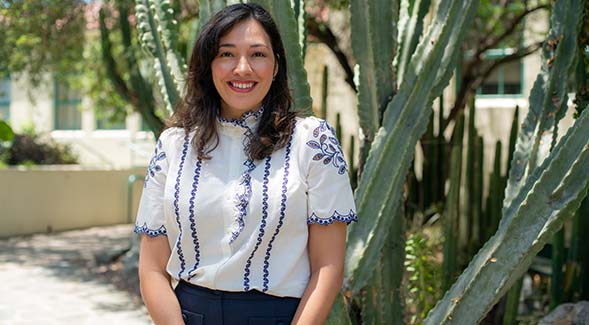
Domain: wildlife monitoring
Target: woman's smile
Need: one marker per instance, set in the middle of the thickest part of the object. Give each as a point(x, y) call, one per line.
point(242, 86)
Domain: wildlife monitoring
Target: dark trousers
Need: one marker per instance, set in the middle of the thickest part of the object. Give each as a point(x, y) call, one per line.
point(214, 307)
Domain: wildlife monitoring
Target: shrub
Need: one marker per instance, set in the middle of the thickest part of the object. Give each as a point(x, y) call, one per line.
point(29, 149)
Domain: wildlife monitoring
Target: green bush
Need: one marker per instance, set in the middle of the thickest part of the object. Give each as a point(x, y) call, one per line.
point(28, 149)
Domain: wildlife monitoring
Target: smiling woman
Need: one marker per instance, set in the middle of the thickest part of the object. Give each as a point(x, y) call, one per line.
point(246, 212)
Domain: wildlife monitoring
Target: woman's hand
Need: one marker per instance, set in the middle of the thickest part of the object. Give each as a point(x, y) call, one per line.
point(154, 281)
point(327, 249)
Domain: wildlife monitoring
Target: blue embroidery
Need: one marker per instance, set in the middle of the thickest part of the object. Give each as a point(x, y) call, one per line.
point(347, 218)
point(144, 229)
point(177, 209)
point(282, 214)
point(261, 232)
point(153, 167)
point(329, 147)
point(242, 199)
point(191, 218)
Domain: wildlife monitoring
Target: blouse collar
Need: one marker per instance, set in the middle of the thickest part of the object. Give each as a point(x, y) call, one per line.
point(248, 120)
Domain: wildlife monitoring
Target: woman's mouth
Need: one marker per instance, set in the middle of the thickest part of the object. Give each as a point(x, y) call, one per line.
point(242, 86)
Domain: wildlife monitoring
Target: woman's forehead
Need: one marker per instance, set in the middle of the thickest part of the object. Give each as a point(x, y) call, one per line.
point(248, 32)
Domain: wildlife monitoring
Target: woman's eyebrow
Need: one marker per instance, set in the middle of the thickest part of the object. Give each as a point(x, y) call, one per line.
point(253, 45)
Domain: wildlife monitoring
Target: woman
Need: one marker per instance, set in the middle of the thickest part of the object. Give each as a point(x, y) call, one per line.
point(245, 205)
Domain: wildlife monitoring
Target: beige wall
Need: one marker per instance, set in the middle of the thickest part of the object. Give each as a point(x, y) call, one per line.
point(57, 198)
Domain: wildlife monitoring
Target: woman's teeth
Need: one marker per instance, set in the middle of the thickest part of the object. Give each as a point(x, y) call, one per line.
point(242, 85)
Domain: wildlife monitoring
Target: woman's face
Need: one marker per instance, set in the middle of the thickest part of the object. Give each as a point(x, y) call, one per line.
point(243, 68)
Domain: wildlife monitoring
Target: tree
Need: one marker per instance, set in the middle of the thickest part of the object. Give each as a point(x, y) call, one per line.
point(41, 36)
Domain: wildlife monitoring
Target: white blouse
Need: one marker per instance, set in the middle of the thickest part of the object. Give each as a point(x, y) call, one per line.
point(235, 224)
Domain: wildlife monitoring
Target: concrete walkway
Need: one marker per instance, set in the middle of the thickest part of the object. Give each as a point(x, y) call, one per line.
point(68, 278)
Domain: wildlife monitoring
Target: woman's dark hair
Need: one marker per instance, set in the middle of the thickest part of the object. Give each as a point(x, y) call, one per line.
point(200, 108)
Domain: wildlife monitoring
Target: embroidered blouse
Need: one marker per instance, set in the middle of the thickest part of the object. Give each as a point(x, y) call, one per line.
point(237, 224)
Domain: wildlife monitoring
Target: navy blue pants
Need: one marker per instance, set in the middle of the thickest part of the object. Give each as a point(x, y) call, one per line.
point(214, 307)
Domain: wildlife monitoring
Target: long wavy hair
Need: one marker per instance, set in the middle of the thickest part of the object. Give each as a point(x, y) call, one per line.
point(200, 108)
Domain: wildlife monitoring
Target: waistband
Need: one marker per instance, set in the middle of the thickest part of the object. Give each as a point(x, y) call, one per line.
point(221, 294)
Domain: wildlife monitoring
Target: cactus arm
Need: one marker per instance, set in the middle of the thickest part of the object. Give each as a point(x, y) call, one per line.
point(524, 143)
point(381, 298)
point(452, 209)
point(373, 47)
point(151, 41)
point(556, 189)
point(339, 314)
point(284, 16)
point(404, 122)
point(412, 30)
point(546, 98)
point(301, 18)
point(169, 31)
point(512, 138)
point(207, 8)
point(559, 55)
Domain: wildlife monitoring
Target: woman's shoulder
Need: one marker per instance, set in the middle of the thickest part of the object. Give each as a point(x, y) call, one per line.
point(311, 127)
point(172, 136)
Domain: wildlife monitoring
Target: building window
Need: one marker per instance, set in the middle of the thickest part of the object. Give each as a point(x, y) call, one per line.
point(5, 98)
point(507, 79)
point(67, 107)
point(110, 122)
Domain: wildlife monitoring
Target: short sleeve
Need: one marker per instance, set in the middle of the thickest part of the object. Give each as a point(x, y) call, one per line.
point(330, 197)
point(150, 215)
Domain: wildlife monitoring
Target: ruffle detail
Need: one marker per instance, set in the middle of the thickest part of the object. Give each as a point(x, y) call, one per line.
point(242, 199)
point(144, 229)
point(347, 218)
point(246, 121)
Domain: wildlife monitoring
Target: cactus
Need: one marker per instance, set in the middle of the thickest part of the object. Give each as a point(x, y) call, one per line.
point(379, 190)
point(324, 89)
point(543, 188)
point(157, 33)
point(410, 29)
point(373, 45)
point(452, 209)
point(207, 8)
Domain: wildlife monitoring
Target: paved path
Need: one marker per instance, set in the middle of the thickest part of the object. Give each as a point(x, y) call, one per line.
point(67, 278)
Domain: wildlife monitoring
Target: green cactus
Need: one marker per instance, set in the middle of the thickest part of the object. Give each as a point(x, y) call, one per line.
point(156, 27)
point(535, 205)
point(324, 89)
point(410, 29)
point(373, 45)
point(452, 213)
point(207, 8)
point(379, 191)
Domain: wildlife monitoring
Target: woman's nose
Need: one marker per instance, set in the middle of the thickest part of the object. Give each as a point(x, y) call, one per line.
point(243, 66)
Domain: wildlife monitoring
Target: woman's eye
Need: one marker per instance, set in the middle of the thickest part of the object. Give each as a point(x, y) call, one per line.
point(225, 54)
point(259, 54)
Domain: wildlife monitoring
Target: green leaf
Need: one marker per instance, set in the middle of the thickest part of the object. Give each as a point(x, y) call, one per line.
point(6, 133)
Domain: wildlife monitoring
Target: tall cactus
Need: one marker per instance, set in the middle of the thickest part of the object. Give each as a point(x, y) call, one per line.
point(379, 191)
point(544, 188)
point(157, 32)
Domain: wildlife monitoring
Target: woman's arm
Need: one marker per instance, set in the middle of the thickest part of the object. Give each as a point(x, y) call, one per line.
point(327, 248)
point(154, 281)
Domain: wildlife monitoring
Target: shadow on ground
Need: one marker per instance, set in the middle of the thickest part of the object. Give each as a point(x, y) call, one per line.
point(90, 255)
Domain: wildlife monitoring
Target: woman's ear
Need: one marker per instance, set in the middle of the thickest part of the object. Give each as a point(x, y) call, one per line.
point(275, 66)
